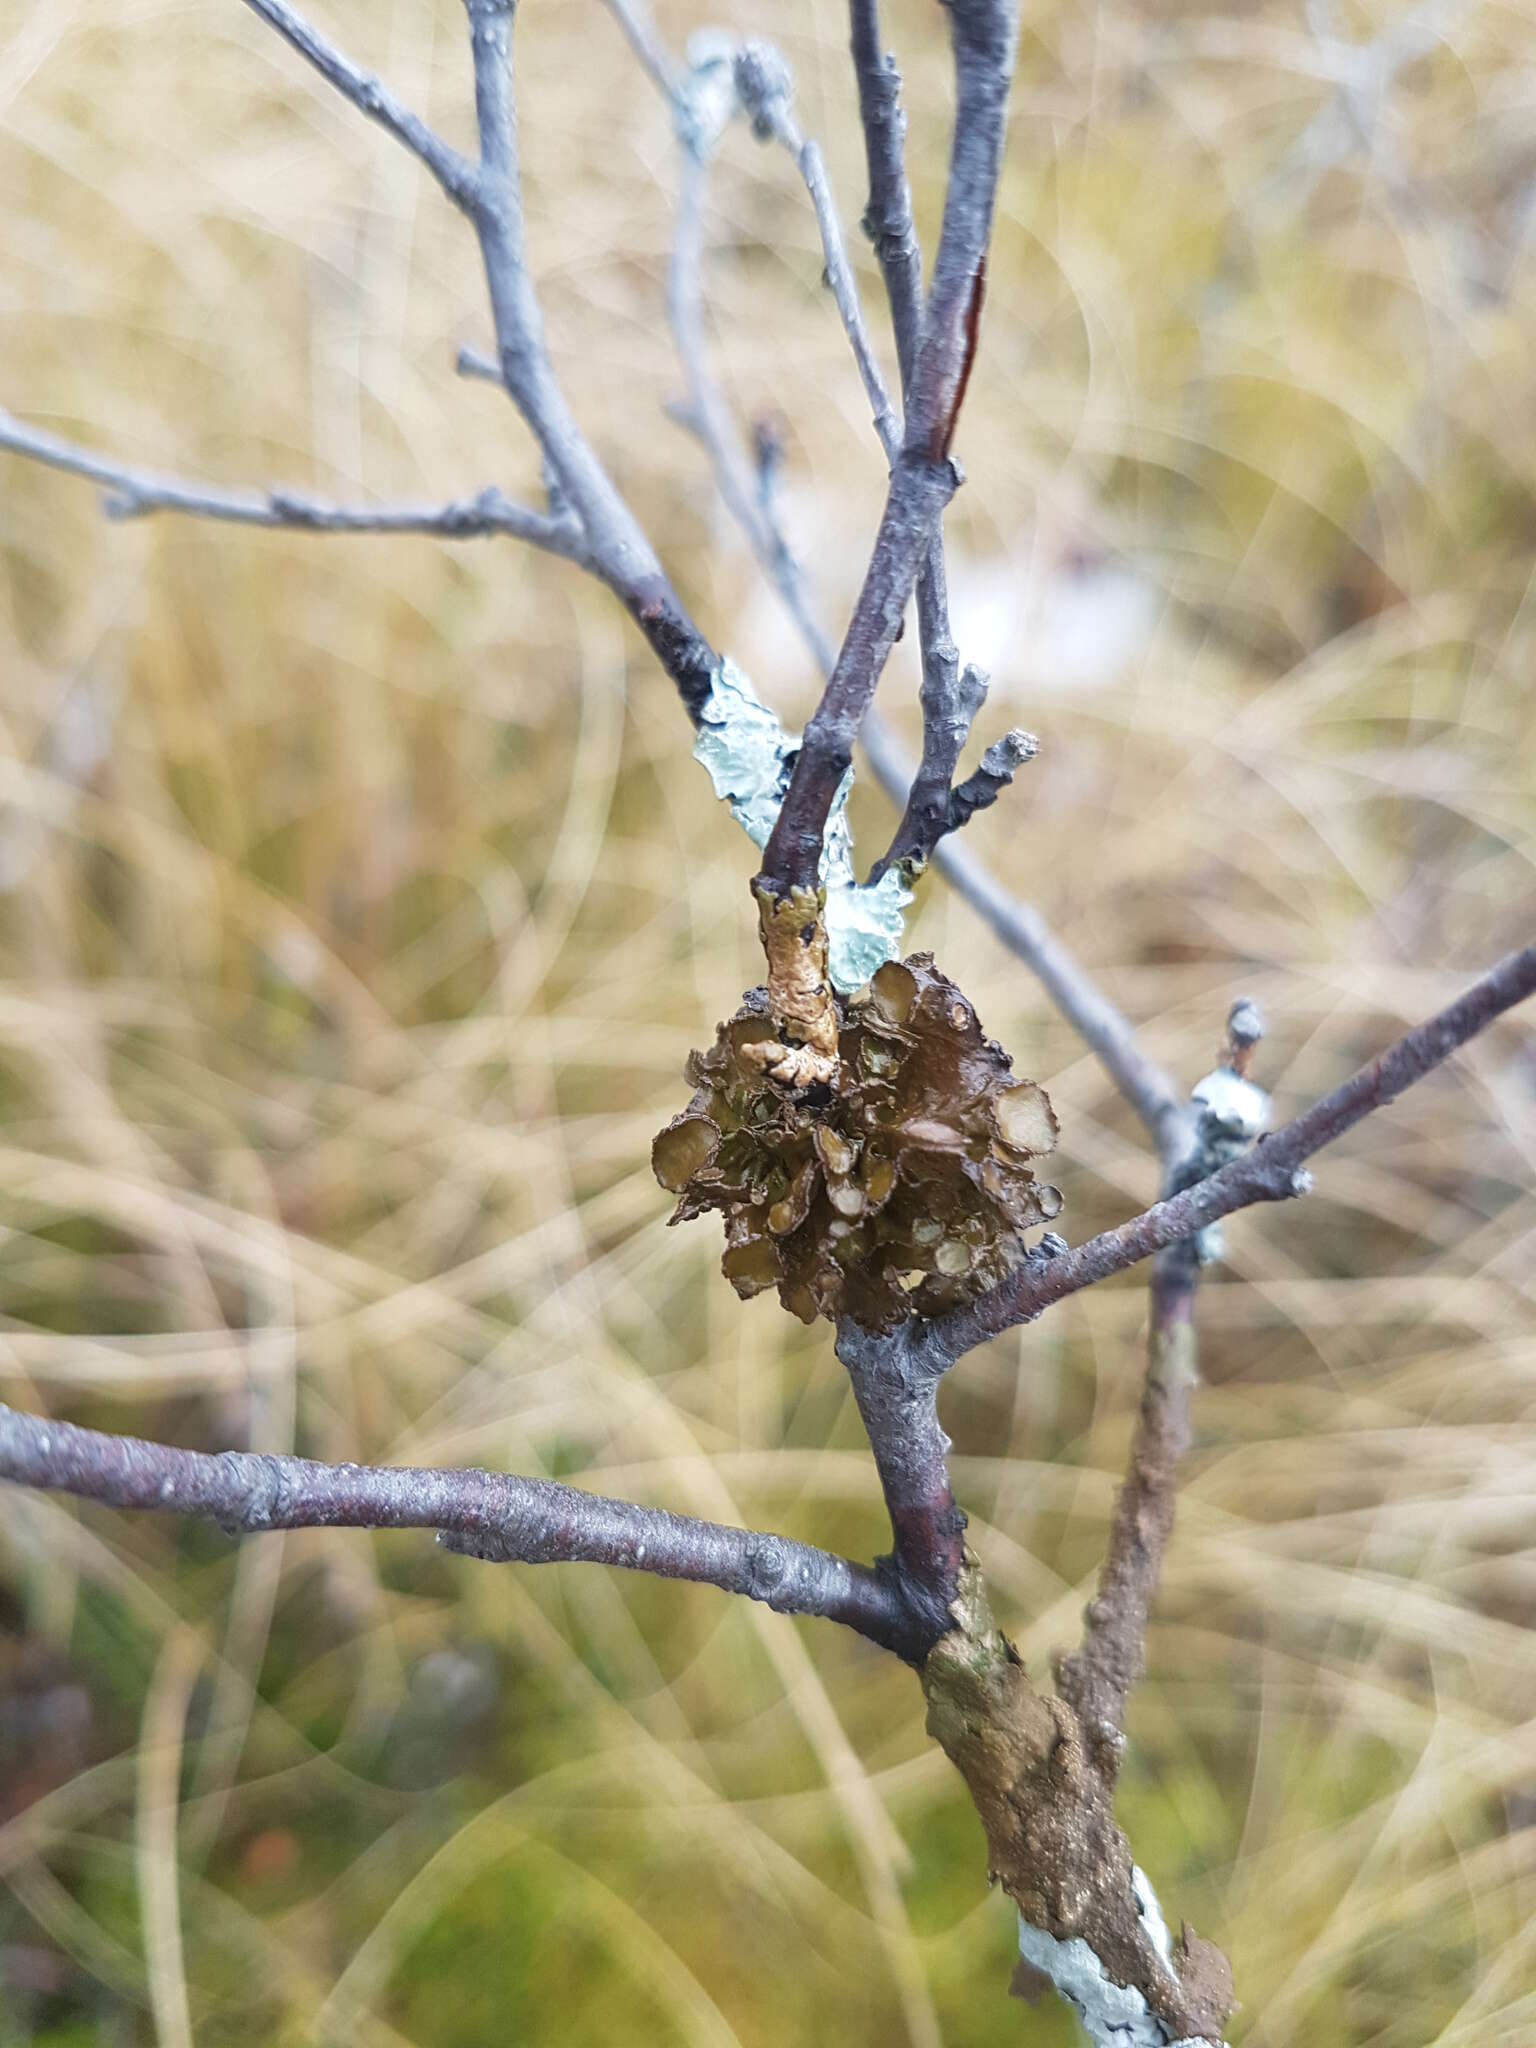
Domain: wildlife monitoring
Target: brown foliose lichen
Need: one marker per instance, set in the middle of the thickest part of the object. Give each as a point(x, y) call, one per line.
point(904, 1189)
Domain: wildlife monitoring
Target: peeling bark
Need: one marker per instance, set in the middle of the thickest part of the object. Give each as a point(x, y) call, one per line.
point(800, 994)
point(1047, 1808)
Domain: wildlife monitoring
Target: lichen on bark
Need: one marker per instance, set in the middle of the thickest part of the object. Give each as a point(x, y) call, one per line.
point(1047, 1811)
point(903, 1186)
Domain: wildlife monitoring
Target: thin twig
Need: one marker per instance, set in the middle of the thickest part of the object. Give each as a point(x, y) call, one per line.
point(1271, 1172)
point(455, 173)
point(951, 695)
point(923, 479)
point(764, 86)
point(489, 194)
point(138, 493)
point(497, 1516)
point(640, 33)
point(1096, 1679)
point(706, 413)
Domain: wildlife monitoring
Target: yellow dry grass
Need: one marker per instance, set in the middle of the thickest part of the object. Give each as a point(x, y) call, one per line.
point(361, 902)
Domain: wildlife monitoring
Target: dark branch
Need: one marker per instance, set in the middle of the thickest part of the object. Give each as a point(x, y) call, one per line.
point(923, 479)
point(492, 1515)
point(937, 805)
point(1272, 1172)
point(888, 216)
point(919, 491)
point(1018, 925)
point(137, 493)
point(899, 1409)
point(1097, 1678)
point(986, 783)
point(951, 696)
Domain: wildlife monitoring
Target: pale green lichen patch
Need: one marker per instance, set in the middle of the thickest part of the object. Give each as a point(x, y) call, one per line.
point(748, 754)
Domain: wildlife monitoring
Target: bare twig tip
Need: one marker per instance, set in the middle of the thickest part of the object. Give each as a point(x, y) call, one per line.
point(1245, 1025)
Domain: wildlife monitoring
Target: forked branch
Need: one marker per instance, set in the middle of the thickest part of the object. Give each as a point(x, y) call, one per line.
point(536, 1521)
point(923, 479)
point(1272, 1172)
point(614, 546)
point(922, 791)
point(137, 493)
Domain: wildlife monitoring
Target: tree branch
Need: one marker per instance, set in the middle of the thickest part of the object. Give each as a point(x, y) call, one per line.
point(455, 173)
point(899, 1410)
point(951, 696)
point(889, 221)
point(1272, 1172)
point(496, 1516)
point(888, 216)
point(618, 549)
point(923, 479)
point(615, 547)
point(705, 411)
point(138, 493)
point(765, 87)
point(588, 521)
point(640, 33)
point(1096, 1679)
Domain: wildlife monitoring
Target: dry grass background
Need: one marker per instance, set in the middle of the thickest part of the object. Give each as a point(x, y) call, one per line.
point(360, 903)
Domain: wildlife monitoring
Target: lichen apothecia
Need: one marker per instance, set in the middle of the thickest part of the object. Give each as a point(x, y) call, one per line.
point(903, 1187)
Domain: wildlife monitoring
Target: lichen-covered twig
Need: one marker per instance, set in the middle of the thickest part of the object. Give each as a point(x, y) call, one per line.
point(137, 493)
point(1043, 1772)
point(1054, 1847)
point(794, 937)
point(497, 1516)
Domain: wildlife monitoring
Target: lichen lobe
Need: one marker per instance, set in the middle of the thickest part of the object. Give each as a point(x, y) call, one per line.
point(900, 1186)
